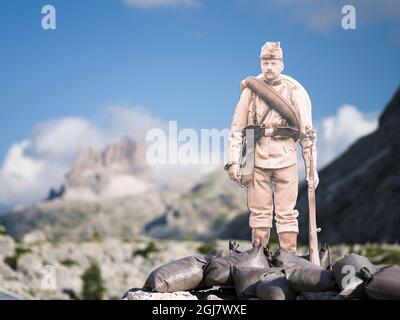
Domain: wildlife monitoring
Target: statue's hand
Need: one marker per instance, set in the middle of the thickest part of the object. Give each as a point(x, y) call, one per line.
point(313, 183)
point(234, 172)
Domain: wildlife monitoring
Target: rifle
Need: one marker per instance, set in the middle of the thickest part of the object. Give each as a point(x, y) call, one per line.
point(312, 223)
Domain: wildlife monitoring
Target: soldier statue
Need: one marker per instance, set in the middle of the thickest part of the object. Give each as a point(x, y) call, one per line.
point(278, 111)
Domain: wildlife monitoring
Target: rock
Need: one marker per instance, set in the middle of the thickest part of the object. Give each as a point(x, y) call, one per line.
point(213, 297)
point(31, 265)
point(7, 245)
point(138, 294)
point(34, 236)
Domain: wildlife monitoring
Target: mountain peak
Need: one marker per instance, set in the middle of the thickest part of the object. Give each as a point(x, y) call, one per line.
point(119, 169)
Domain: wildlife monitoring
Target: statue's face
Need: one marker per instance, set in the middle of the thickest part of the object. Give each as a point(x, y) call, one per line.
point(271, 68)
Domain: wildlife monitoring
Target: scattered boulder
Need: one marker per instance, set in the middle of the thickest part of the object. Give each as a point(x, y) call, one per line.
point(33, 237)
point(139, 294)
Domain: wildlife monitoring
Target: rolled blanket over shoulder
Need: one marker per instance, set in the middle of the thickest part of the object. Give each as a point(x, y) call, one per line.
point(273, 100)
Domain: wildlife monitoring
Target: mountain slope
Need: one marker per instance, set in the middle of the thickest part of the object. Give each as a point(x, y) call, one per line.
point(358, 199)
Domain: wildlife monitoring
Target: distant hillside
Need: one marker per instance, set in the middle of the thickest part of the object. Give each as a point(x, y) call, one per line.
point(107, 192)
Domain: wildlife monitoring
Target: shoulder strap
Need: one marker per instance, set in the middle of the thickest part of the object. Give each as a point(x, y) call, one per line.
point(274, 100)
point(254, 108)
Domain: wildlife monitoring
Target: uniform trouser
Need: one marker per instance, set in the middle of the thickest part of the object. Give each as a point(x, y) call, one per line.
point(274, 189)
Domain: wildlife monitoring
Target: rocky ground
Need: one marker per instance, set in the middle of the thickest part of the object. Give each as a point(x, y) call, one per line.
point(38, 269)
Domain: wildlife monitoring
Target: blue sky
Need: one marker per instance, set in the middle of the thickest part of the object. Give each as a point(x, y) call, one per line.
point(184, 60)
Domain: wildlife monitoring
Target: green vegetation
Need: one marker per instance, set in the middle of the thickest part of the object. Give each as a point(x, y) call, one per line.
point(69, 262)
point(13, 260)
point(3, 230)
point(379, 255)
point(150, 248)
point(93, 287)
point(206, 248)
point(96, 237)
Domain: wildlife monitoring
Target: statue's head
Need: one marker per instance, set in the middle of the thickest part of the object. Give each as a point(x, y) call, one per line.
point(271, 60)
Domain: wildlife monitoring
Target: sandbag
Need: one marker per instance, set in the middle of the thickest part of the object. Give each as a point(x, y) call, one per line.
point(311, 279)
point(233, 246)
point(324, 257)
point(246, 279)
point(218, 271)
point(384, 284)
point(285, 259)
point(274, 286)
point(178, 275)
point(348, 276)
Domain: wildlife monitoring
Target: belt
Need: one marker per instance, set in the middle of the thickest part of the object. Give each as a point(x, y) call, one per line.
point(274, 132)
point(280, 132)
point(269, 132)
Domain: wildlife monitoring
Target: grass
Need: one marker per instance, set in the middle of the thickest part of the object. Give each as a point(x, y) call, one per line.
point(150, 248)
point(206, 248)
point(69, 262)
point(379, 255)
point(3, 231)
point(93, 286)
point(12, 261)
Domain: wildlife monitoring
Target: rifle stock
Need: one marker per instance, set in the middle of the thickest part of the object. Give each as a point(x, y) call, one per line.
point(312, 219)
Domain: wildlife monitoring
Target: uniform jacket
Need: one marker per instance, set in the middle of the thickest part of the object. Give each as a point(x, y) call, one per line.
point(270, 153)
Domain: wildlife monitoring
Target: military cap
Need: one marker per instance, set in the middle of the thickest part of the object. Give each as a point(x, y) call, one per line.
point(271, 50)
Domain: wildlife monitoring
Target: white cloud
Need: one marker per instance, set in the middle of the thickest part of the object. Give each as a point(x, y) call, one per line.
point(22, 176)
point(131, 121)
point(62, 138)
point(336, 133)
point(161, 3)
point(36, 164)
point(40, 162)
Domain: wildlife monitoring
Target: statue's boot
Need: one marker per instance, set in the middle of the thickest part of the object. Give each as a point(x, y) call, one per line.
point(260, 236)
point(288, 241)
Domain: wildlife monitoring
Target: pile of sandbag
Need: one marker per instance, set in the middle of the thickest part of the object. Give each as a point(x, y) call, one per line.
point(257, 273)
